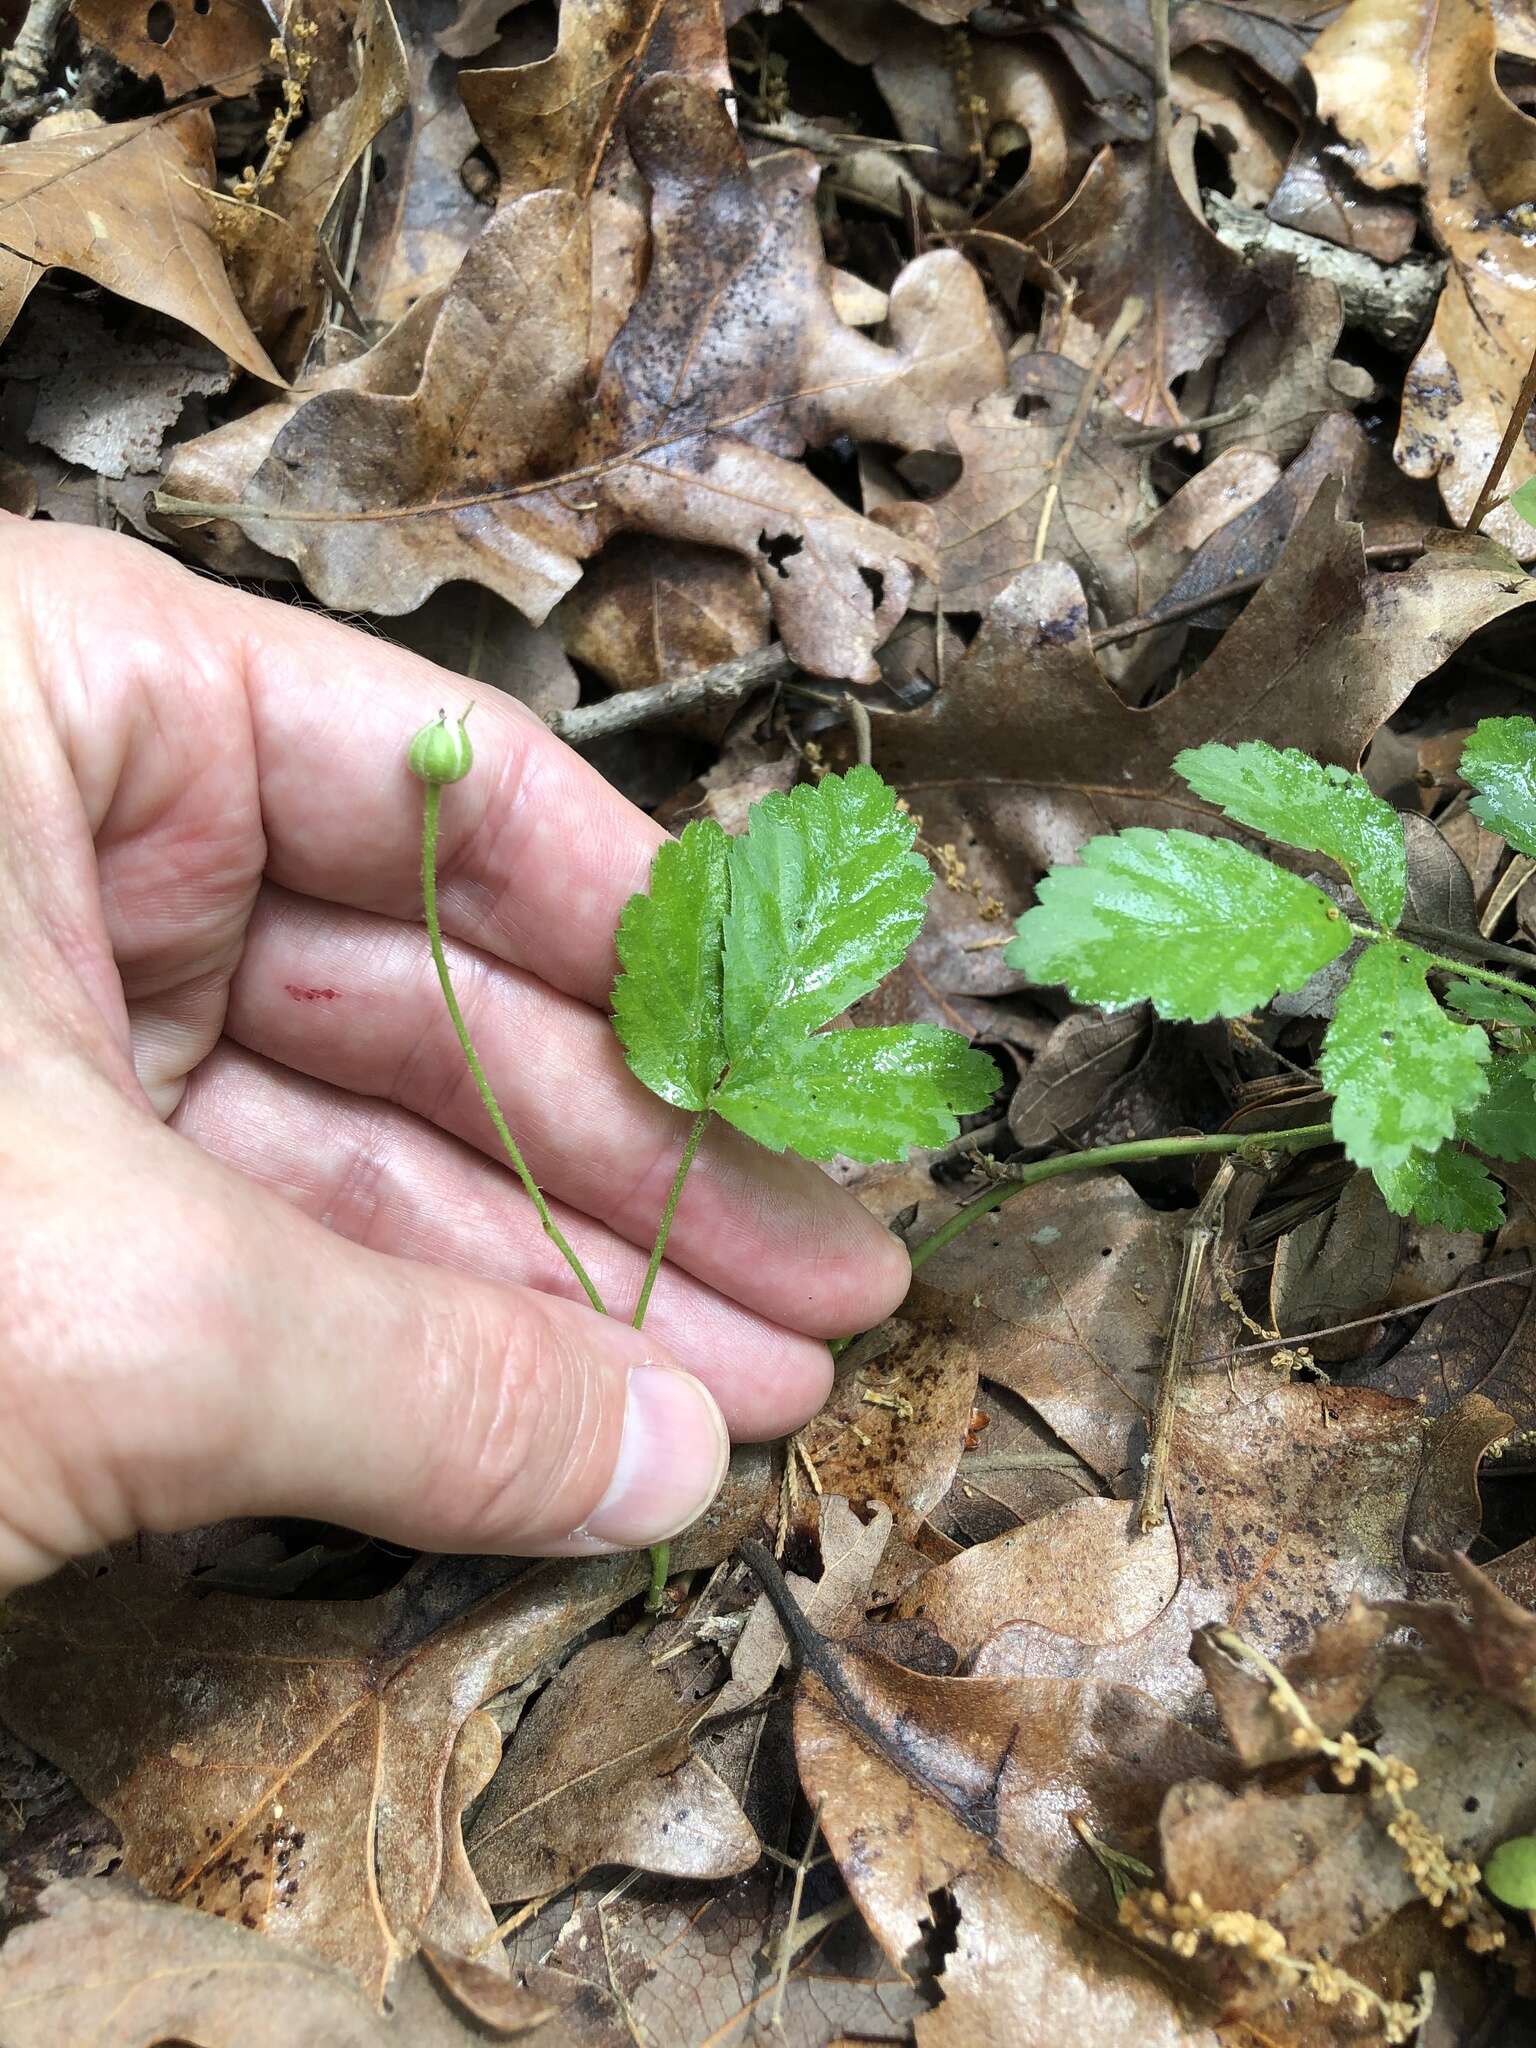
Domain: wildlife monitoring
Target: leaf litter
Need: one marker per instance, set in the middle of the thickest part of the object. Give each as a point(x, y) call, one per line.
point(1043, 428)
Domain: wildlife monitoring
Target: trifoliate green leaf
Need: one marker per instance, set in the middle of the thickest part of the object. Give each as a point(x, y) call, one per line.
point(667, 1002)
point(1197, 927)
point(1399, 1069)
point(1288, 796)
point(1448, 1188)
point(1499, 760)
point(1523, 501)
point(1503, 1123)
point(1510, 1872)
point(745, 947)
point(826, 897)
point(868, 1093)
point(1491, 1005)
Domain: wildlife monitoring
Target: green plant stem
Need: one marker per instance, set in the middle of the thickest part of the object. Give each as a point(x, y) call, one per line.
point(661, 1552)
point(429, 820)
point(1302, 1139)
point(1462, 967)
point(664, 1230)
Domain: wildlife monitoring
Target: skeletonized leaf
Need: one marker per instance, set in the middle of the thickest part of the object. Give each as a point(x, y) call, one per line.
point(1499, 761)
point(871, 1094)
point(1503, 1123)
point(1399, 1069)
point(1198, 927)
point(1449, 1188)
point(1491, 1005)
point(826, 897)
point(1319, 807)
point(666, 1003)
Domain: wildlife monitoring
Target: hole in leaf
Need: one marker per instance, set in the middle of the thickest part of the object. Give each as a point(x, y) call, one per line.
point(938, 1936)
point(875, 584)
point(202, 6)
point(1386, 1037)
point(778, 548)
point(160, 22)
point(1029, 404)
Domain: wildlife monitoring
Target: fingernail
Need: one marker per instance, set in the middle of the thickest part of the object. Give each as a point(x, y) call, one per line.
point(672, 1459)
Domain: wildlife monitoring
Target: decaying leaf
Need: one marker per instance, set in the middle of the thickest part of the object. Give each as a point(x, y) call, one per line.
point(651, 611)
point(1412, 87)
point(282, 1764)
point(379, 499)
point(945, 1802)
point(1320, 657)
point(600, 1771)
point(125, 206)
point(190, 45)
point(107, 1965)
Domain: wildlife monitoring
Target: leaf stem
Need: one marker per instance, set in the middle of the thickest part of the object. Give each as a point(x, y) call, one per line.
point(431, 806)
point(1449, 966)
point(1302, 1139)
point(664, 1230)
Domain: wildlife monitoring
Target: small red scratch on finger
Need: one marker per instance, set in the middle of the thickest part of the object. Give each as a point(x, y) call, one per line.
point(311, 995)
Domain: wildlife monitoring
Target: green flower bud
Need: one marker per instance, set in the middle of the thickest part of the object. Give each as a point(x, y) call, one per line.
point(441, 752)
point(1510, 1872)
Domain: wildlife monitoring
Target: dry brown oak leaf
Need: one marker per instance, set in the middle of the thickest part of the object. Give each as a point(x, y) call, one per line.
point(1045, 432)
point(218, 45)
point(1410, 85)
point(946, 1804)
point(601, 1771)
point(1285, 1499)
point(283, 1763)
point(1028, 747)
point(124, 205)
point(1122, 236)
point(505, 467)
point(106, 1966)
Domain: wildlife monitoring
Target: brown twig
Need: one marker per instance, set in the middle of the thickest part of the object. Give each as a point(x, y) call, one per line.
point(1506, 448)
point(1382, 1315)
point(17, 113)
point(725, 683)
point(1219, 593)
point(30, 57)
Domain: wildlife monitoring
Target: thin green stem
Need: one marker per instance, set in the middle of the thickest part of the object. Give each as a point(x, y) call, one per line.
point(656, 1591)
point(1448, 966)
point(1301, 1139)
point(664, 1230)
point(429, 819)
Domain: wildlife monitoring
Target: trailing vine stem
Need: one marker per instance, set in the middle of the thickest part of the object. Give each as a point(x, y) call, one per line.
point(1462, 967)
point(431, 806)
point(664, 1230)
point(1303, 1139)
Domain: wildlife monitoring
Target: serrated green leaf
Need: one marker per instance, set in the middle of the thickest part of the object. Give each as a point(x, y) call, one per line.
point(1503, 1123)
point(1490, 1005)
point(1523, 501)
point(744, 947)
point(1197, 927)
point(1399, 1069)
point(1499, 760)
point(667, 1005)
point(1448, 1188)
point(870, 1093)
point(826, 897)
point(1289, 797)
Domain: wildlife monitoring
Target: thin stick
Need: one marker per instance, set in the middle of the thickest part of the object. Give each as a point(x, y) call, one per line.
point(1162, 178)
point(725, 683)
point(1506, 448)
point(1473, 943)
point(1125, 320)
point(1240, 586)
point(31, 55)
point(431, 807)
point(1013, 1180)
point(1382, 1315)
point(1200, 1236)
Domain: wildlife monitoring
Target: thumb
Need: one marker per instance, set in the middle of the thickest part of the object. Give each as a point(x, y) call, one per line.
point(230, 1356)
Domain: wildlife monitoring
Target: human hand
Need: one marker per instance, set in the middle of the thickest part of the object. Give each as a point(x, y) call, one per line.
point(256, 1253)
